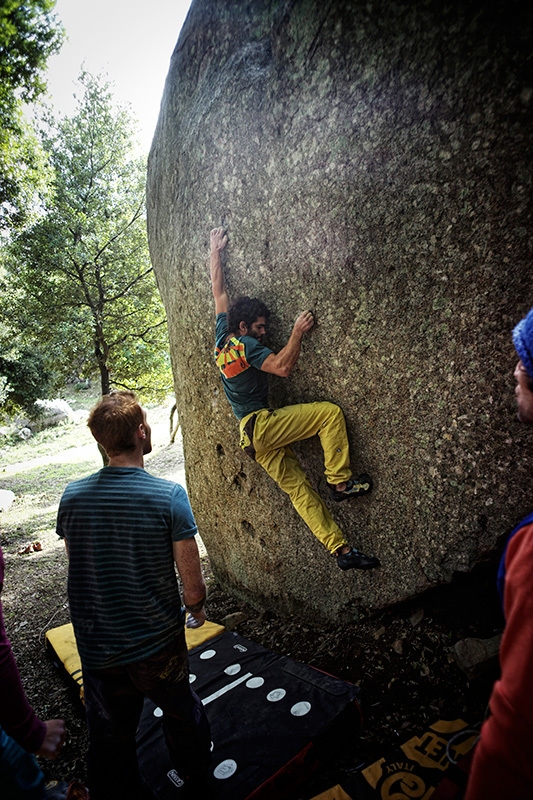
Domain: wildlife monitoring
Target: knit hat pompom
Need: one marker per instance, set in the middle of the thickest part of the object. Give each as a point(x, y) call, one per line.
point(523, 342)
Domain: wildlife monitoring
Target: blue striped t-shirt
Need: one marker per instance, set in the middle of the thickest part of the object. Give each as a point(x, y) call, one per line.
point(119, 525)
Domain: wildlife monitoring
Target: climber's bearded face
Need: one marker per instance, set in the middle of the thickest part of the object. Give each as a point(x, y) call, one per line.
point(257, 329)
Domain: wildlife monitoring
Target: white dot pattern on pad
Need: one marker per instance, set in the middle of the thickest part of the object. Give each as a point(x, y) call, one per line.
point(208, 654)
point(301, 709)
point(233, 669)
point(255, 683)
point(275, 695)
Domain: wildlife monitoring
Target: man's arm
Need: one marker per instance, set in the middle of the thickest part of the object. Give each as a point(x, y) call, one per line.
point(218, 243)
point(17, 716)
point(283, 362)
point(502, 765)
point(187, 560)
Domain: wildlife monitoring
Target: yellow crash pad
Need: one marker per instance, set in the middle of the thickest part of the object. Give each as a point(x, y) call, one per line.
point(63, 643)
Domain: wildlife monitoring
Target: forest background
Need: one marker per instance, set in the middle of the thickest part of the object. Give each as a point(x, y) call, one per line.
point(77, 289)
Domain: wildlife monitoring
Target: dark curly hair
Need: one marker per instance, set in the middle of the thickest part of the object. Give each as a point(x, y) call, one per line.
point(247, 310)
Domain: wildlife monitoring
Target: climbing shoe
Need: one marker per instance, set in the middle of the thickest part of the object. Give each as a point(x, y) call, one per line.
point(354, 559)
point(355, 487)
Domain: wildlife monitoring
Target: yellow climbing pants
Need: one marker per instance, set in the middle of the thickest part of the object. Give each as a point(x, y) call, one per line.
point(275, 431)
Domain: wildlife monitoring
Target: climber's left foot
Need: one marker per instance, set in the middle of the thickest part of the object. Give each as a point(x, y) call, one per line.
point(354, 559)
point(355, 487)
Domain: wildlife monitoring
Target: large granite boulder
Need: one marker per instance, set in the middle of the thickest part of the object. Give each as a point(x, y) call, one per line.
point(371, 161)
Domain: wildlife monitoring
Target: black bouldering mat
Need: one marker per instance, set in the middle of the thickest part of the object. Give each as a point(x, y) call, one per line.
point(273, 722)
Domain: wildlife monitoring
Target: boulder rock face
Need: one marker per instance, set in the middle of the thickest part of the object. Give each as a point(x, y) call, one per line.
point(371, 161)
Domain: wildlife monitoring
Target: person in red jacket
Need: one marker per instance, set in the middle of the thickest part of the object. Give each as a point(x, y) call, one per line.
point(502, 765)
point(22, 733)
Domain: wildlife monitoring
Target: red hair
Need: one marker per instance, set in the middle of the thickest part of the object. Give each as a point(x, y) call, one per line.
point(114, 421)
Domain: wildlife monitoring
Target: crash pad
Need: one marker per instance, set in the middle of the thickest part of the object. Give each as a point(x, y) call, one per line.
point(274, 721)
point(61, 643)
point(413, 769)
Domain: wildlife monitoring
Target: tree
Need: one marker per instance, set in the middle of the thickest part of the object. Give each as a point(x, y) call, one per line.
point(29, 34)
point(81, 276)
point(23, 380)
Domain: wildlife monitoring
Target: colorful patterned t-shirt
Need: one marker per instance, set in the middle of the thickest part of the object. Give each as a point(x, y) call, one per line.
point(239, 360)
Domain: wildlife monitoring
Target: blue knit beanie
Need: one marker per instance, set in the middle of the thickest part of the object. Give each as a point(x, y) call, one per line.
point(523, 342)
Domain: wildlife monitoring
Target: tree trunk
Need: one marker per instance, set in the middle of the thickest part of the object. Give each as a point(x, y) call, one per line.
point(100, 351)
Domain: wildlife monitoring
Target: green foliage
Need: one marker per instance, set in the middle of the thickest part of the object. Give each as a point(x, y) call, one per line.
point(24, 380)
point(29, 34)
point(80, 276)
point(5, 389)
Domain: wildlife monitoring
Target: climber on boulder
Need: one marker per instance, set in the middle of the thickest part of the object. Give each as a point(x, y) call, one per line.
point(265, 433)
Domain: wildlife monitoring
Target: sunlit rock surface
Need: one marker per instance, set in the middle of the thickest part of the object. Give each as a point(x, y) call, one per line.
point(371, 161)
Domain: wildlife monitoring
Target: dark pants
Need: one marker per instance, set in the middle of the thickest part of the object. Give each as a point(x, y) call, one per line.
point(114, 701)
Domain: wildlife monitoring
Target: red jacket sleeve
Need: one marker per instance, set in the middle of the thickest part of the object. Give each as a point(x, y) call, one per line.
point(17, 717)
point(503, 761)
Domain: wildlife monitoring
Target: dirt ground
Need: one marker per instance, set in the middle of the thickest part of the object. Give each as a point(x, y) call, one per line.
point(401, 658)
